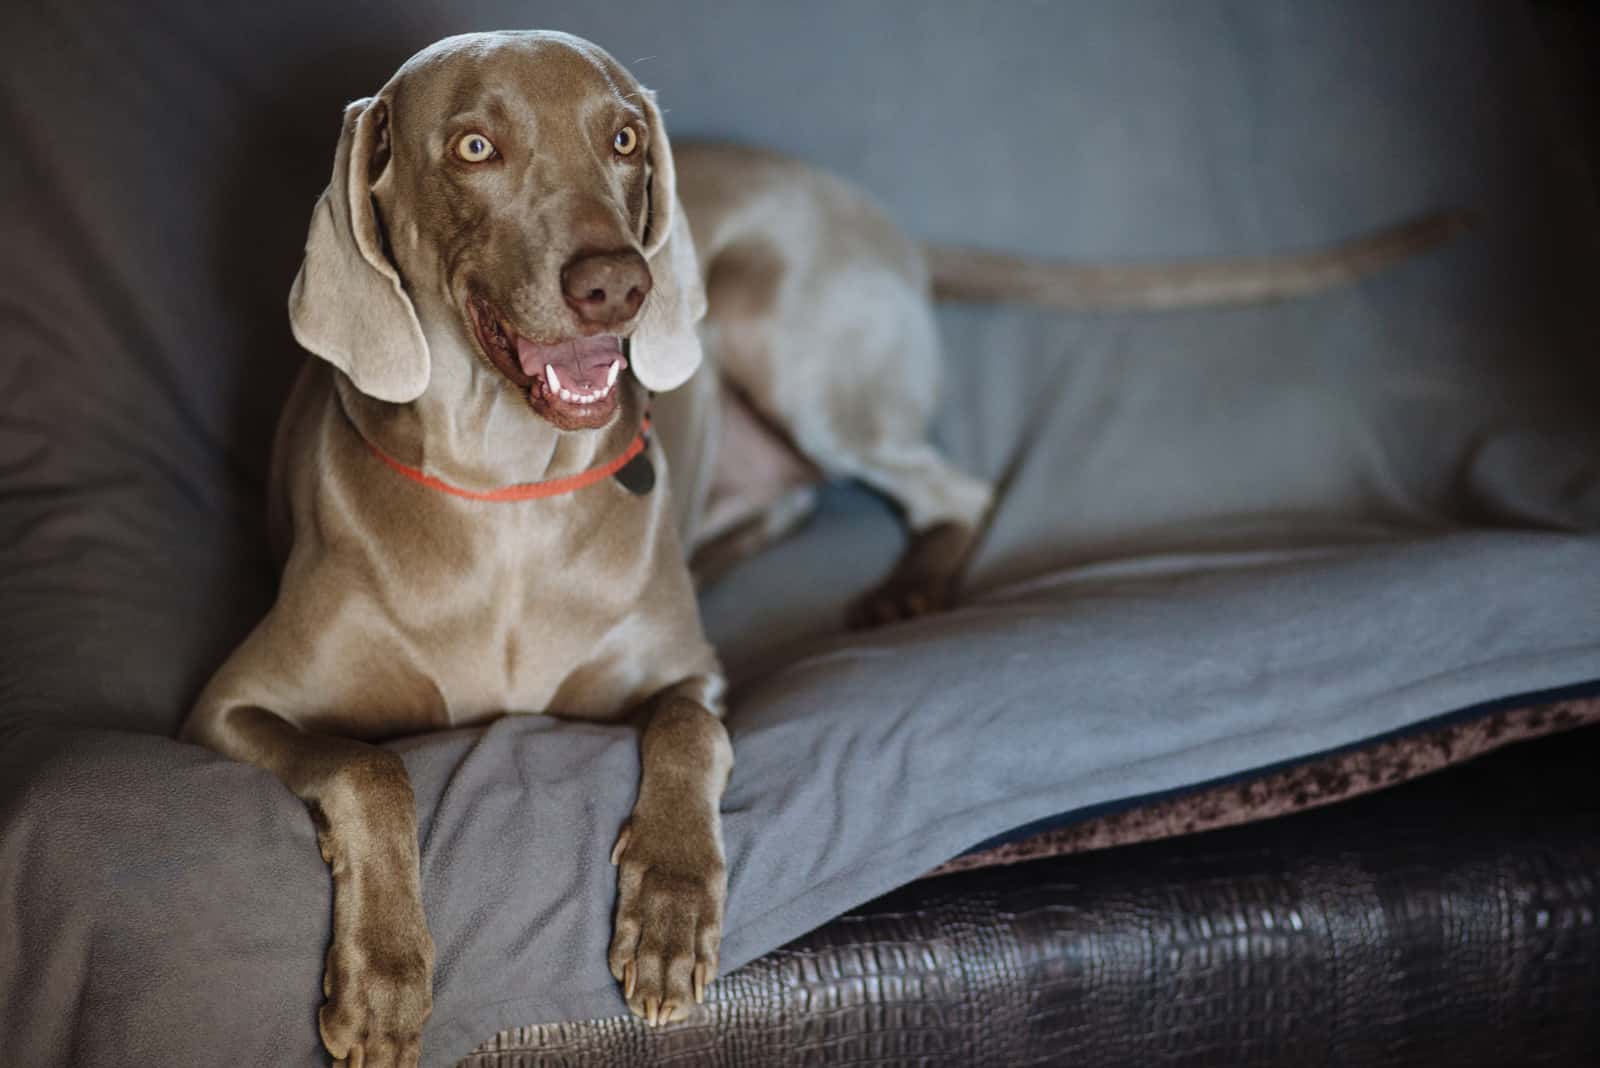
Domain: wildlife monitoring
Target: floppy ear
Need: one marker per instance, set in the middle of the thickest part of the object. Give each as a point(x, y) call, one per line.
point(347, 304)
point(665, 349)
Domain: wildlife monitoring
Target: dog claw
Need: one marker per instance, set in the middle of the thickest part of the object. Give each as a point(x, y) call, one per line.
point(701, 978)
point(622, 844)
point(630, 973)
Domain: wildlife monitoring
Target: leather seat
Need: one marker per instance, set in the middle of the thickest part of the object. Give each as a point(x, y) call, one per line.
point(1450, 921)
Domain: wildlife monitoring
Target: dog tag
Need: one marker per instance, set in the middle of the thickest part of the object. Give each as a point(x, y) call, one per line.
point(638, 475)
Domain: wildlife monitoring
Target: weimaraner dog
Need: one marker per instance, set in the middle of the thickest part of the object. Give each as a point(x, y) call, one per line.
point(473, 506)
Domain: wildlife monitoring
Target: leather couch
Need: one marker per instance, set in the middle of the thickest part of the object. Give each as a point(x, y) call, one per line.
point(1448, 921)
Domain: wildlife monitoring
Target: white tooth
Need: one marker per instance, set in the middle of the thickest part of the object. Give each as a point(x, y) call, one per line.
point(566, 394)
point(611, 375)
point(551, 380)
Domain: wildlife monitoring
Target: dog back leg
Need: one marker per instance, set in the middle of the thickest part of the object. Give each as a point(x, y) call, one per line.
point(847, 367)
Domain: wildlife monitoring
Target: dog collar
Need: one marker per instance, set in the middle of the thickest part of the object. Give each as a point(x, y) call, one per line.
point(524, 491)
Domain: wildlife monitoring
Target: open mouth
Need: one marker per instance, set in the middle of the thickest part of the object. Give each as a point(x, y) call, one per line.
point(571, 382)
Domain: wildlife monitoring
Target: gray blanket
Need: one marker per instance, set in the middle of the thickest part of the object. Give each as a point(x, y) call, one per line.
point(1226, 539)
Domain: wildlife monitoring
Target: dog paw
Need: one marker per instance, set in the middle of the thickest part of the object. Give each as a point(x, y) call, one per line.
point(670, 893)
point(924, 580)
point(895, 601)
point(379, 994)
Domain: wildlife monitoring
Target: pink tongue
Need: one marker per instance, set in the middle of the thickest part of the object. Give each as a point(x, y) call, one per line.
point(581, 363)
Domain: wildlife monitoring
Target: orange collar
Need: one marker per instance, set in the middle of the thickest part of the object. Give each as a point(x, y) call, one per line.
point(523, 491)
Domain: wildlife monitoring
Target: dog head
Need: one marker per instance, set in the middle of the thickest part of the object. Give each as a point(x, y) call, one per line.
point(514, 192)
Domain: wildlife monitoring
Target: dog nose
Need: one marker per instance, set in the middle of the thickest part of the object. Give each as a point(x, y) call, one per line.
point(606, 288)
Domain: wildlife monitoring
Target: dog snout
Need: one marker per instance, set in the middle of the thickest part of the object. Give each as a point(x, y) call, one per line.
point(606, 288)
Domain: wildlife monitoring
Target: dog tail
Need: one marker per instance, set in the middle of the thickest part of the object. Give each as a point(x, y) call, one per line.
point(963, 274)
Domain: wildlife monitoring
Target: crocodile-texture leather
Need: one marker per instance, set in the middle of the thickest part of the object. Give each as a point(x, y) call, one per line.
point(1449, 921)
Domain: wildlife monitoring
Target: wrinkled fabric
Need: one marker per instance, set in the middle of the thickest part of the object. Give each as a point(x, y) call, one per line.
point(1225, 539)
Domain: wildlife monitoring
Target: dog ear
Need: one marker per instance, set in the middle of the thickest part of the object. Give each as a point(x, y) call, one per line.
point(665, 349)
point(347, 304)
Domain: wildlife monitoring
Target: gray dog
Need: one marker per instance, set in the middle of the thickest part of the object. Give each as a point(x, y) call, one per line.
point(472, 504)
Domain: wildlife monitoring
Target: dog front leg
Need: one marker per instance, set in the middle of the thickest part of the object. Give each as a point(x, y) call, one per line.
point(672, 878)
point(378, 977)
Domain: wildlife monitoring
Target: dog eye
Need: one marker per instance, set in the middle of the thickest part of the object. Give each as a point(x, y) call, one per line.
point(474, 147)
point(626, 141)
